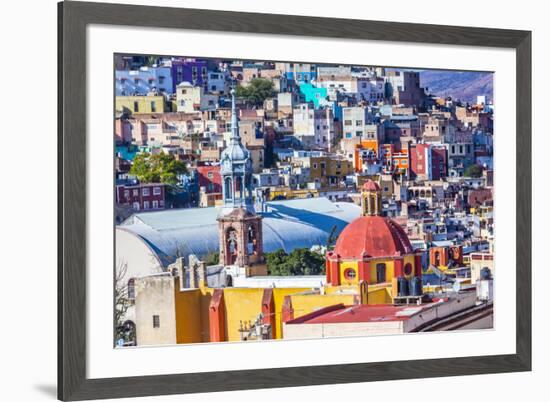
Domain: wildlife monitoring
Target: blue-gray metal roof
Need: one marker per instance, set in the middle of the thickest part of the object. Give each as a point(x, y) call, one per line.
point(287, 224)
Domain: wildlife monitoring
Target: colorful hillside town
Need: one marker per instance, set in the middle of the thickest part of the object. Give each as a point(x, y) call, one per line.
point(260, 200)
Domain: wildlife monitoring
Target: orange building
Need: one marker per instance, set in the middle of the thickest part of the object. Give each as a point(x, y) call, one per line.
point(363, 152)
point(443, 256)
point(394, 160)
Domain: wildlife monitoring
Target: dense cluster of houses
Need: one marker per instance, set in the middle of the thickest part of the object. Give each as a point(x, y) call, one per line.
point(322, 132)
point(295, 155)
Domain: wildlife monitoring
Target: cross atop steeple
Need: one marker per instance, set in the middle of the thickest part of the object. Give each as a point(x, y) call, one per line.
point(235, 135)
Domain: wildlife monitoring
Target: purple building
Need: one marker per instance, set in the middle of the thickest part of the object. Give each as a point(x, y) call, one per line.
point(189, 70)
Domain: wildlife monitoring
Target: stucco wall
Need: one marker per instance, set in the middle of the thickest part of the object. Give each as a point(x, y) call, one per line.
point(155, 296)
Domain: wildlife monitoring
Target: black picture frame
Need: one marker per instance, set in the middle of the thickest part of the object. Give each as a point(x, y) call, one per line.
point(73, 18)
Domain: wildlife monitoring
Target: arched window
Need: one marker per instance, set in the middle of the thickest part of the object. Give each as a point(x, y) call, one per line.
point(437, 259)
point(248, 187)
point(239, 187)
point(251, 243)
point(131, 291)
point(228, 189)
point(407, 269)
point(380, 273)
point(232, 246)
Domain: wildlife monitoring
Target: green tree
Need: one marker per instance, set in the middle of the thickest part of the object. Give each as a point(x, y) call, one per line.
point(212, 258)
point(158, 168)
point(122, 304)
point(257, 91)
point(300, 261)
point(473, 171)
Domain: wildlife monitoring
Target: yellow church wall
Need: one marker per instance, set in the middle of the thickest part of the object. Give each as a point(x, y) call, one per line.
point(409, 259)
point(188, 315)
point(305, 304)
point(338, 289)
point(389, 269)
point(206, 296)
point(345, 265)
point(379, 295)
point(278, 300)
point(241, 304)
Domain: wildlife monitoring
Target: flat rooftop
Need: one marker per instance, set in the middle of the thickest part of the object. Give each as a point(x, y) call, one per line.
point(360, 313)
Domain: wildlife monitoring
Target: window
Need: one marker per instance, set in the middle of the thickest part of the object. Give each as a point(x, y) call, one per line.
point(183, 91)
point(349, 274)
point(145, 191)
point(156, 321)
point(358, 133)
point(135, 206)
point(145, 204)
point(156, 191)
point(136, 106)
point(358, 122)
point(153, 106)
point(347, 122)
point(136, 192)
point(380, 273)
point(131, 289)
point(126, 194)
point(155, 204)
point(407, 269)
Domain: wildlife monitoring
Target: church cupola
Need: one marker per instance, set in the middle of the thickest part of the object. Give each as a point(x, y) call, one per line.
point(236, 168)
point(371, 199)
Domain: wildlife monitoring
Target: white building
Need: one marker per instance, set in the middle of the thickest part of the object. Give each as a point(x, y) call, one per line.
point(192, 98)
point(313, 127)
point(335, 78)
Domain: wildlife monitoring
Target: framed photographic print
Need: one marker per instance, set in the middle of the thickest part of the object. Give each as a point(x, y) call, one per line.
point(256, 201)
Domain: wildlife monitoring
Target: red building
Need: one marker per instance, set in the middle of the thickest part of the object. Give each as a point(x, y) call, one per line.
point(480, 196)
point(210, 178)
point(428, 162)
point(141, 197)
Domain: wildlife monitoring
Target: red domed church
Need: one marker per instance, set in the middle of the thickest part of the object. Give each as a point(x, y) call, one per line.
point(372, 248)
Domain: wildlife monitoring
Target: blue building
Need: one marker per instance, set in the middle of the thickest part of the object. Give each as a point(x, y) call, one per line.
point(143, 81)
point(301, 73)
point(313, 94)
